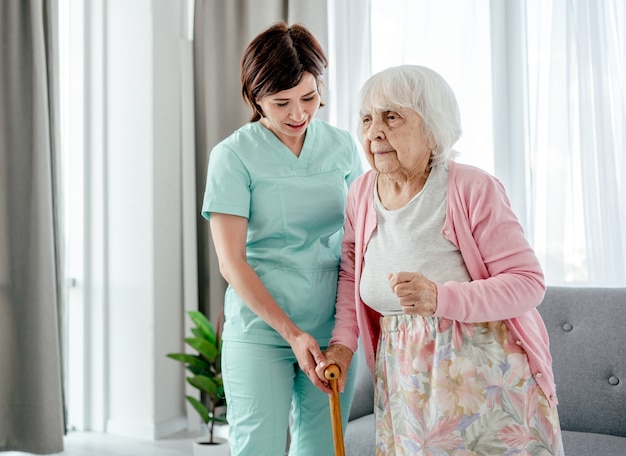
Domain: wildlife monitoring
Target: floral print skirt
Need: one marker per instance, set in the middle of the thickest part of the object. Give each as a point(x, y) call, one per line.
point(450, 388)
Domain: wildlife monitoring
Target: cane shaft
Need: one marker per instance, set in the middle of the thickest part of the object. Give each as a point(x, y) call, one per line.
point(332, 374)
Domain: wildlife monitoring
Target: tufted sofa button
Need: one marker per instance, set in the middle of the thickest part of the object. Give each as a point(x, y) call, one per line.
point(613, 380)
point(567, 327)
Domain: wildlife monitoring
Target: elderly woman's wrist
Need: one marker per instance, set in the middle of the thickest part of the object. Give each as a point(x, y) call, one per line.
point(434, 294)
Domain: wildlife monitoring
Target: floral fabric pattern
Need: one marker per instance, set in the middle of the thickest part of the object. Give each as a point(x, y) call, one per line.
point(450, 388)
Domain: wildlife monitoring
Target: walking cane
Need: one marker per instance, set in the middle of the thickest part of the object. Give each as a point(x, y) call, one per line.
point(332, 373)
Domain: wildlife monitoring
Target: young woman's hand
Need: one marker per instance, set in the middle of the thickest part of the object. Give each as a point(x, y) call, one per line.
point(309, 355)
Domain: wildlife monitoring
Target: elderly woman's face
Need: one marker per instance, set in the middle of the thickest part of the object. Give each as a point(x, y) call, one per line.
point(394, 140)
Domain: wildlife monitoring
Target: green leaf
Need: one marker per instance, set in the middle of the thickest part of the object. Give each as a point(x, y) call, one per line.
point(204, 347)
point(201, 371)
point(200, 408)
point(190, 360)
point(204, 383)
point(220, 399)
point(203, 323)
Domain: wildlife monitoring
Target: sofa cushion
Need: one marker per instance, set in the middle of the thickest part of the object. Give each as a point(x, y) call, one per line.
point(360, 436)
point(588, 444)
point(363, 401)
point(588, 345)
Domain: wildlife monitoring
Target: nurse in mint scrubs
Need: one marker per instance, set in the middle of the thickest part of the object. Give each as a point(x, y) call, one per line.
point(275, 198)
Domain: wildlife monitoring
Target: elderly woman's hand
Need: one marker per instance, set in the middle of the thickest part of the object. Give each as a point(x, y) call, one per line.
point(417, 295)
point(341, 356)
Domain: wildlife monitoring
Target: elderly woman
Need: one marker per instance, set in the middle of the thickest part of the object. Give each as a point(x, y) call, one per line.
point(440, 282)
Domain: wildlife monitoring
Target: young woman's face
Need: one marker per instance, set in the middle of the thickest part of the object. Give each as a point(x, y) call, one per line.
point(289, 112)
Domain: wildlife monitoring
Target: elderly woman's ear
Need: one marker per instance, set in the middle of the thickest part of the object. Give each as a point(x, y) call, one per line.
point(432, 143)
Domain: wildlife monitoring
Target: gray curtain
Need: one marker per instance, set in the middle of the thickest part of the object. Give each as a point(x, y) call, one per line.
point(31, 394)
point(222, 29)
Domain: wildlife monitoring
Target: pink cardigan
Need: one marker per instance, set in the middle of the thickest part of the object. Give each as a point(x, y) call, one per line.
point(507, 280)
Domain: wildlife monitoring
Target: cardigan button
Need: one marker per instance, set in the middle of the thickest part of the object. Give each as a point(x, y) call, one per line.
point(567, 327)
point(538, 375)
point(613, 380)
point(518, 342)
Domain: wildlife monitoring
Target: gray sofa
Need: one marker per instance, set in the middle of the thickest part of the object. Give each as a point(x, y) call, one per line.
point(587, 328)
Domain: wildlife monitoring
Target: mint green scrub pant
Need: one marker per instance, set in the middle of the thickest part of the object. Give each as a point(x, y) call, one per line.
point(263, 383)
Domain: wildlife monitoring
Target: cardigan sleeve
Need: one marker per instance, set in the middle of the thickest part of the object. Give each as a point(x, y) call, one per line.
point(346, 330)
point(507, 279)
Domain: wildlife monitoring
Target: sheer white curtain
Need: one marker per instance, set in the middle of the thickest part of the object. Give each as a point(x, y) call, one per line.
point(349, 45)
point(540, 86)
point(577, 98)
point(451, 37)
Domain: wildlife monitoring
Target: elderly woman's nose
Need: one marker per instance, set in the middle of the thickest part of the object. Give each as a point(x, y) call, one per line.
point(375, 131)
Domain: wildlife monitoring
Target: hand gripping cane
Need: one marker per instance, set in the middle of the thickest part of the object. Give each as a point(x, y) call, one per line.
point(332, 373)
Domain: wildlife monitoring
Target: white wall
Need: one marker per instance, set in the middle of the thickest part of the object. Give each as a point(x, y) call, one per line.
point(139, 186)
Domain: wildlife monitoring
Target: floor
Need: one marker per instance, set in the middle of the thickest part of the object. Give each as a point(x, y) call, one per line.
point(97, 444)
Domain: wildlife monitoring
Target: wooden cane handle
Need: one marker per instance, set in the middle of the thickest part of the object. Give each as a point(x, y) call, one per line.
point(332, 373)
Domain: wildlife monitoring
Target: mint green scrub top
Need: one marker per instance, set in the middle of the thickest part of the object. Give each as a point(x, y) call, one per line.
point(295, 211)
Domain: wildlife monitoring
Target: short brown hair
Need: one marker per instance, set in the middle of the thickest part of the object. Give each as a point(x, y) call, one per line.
point(276, 60)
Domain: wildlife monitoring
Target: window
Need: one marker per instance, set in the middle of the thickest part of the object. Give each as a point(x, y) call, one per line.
point(71, 52)
point(562, 66)
point(576, 102)
point(452, 38)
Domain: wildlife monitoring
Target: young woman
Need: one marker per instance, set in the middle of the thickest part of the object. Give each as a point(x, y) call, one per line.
point(275, 197)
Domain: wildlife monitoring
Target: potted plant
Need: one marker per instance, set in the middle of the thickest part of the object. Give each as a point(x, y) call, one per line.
point(206, 375)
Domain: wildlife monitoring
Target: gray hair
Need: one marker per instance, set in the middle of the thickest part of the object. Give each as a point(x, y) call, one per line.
point(425, 92)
